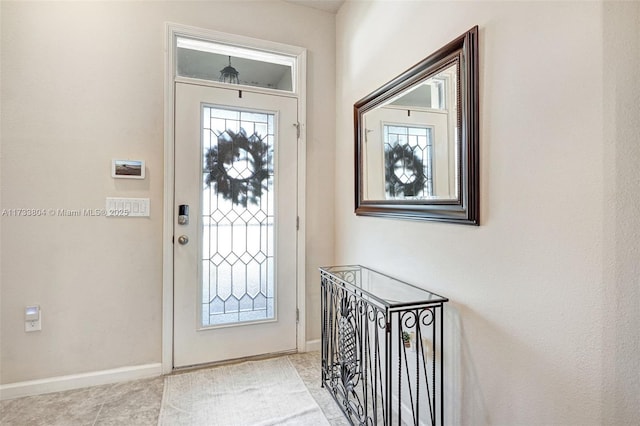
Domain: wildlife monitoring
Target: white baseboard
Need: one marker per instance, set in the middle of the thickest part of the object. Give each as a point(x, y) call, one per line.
point(312, 345)
point(75, 381)
point(95, 378)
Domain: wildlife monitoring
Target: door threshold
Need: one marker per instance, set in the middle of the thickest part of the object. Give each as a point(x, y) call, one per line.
point(189, 368)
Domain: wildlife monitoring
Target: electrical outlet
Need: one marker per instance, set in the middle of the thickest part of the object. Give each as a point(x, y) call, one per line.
point(33, 325)
point(32, 318)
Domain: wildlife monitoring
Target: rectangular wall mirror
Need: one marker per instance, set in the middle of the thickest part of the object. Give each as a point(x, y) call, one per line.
point(416, 140)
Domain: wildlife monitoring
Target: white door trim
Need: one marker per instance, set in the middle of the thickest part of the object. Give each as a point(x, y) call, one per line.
point(171, 32)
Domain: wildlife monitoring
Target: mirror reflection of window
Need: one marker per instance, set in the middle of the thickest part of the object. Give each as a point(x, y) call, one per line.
point(429, 107)
point(408, 152)
point(429, 95)
point(438, 180)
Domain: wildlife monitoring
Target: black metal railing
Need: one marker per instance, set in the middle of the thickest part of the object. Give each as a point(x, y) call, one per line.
point(381, 358)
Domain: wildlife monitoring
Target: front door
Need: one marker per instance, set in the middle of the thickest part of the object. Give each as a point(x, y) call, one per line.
point(235, 224)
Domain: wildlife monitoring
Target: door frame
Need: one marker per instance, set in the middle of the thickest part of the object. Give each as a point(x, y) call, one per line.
point(171, 32)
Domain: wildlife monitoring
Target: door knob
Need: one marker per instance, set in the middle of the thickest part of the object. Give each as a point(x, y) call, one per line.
point(183, 239)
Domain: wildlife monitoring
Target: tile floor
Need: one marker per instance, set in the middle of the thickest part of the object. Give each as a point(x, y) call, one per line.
point(135, 403)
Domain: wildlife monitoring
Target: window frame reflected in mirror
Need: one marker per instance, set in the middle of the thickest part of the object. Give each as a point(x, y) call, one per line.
point(460, 202)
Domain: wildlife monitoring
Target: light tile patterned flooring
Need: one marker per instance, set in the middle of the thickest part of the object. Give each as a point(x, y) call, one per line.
point(135, 403)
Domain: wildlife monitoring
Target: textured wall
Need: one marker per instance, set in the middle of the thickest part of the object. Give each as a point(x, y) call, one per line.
point(539, 303)
point(621, 340)
point(82, 83)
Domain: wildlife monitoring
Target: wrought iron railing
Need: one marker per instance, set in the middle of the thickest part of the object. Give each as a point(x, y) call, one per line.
point(381, 340)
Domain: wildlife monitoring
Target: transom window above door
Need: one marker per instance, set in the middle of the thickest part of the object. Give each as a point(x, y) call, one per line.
point(230, 64)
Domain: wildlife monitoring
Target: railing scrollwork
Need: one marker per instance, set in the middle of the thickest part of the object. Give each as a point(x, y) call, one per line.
point(379, 361)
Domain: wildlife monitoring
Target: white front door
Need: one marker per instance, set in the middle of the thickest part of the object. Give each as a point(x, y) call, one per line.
point(235, 258)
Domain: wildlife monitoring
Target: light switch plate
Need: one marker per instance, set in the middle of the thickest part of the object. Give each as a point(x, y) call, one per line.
point(127, 207)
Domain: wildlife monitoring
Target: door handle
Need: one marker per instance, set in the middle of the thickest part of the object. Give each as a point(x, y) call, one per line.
point(183, 239)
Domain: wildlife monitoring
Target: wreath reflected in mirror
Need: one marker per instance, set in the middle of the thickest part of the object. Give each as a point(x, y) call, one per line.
point(404, 172)
point(239, 167)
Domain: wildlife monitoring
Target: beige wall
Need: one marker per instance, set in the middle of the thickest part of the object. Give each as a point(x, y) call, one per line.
point(621, 277)
point(543, 319)
point(542, 324)
point(82, 83)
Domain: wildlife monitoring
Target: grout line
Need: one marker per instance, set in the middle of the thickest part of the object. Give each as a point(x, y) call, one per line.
point(98, 414)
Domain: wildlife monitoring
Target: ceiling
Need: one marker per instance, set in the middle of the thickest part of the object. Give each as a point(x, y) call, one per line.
point(326, 5)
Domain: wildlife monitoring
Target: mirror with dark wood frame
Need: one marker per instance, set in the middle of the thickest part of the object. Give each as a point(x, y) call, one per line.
point(417, 140)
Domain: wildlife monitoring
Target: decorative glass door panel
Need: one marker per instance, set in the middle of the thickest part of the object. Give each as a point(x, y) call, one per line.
point(237, 216)
point(408, 165)
point(235, 257)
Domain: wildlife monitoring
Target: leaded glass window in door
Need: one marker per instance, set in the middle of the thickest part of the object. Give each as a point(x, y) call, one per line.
point(408, 156)
point(237, 216)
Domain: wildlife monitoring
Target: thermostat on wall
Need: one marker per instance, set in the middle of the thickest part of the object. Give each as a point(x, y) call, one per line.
point(127, 169)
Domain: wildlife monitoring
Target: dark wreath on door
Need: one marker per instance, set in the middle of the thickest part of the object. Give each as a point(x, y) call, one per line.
point(404, 172)
point(239, 167)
